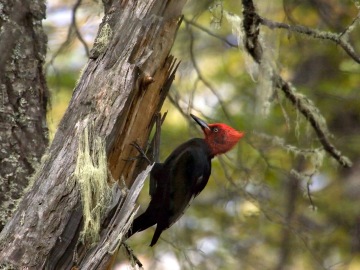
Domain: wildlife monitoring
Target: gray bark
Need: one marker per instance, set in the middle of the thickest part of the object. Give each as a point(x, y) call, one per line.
point(23, 98)
point(122, 87)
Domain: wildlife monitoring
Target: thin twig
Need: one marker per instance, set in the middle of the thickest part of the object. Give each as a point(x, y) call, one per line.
point(207, 31)
point(201, 76)
point(308, 192)
point(351, 26)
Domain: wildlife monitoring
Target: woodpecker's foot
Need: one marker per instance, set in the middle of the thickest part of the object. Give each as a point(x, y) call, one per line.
point(131, 254)
point(141, 152)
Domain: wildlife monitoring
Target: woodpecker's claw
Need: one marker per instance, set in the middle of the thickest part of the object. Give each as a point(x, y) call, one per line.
point(131, 254)
point(141, 151)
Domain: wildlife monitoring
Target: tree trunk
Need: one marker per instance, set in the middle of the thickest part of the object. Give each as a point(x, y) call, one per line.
point(23, 99)
point(121, 89)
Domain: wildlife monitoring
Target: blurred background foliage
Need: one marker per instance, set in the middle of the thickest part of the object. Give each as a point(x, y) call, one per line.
point(277, 201)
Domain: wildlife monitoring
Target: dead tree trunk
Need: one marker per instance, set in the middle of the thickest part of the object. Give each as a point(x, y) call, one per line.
point(123, 85)
point(23, 99)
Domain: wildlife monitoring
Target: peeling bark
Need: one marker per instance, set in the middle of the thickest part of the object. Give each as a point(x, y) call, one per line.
point(123, 85)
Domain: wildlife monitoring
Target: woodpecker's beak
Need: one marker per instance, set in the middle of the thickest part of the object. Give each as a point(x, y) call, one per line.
point(201, 122)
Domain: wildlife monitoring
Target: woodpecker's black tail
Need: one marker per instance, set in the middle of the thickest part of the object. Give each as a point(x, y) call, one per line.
point(142, 222)
point(156, 236)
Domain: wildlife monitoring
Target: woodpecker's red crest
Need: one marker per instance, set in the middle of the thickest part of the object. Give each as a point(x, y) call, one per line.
point(220, 137)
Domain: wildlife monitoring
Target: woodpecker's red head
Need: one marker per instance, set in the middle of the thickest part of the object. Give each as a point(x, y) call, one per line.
point(220, 137)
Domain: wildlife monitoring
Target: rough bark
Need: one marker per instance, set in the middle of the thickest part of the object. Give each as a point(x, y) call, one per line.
point(23, 98)
point(123, 85)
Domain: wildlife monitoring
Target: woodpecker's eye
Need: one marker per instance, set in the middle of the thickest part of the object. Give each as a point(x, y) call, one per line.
point(215, 129)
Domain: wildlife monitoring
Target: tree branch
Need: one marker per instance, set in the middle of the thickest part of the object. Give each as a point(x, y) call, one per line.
point(251, 28)
point(302, 103)
point(337, 38)
point(306, 107)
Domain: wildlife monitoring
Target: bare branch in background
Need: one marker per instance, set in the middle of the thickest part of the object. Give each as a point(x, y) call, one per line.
point(64, 45)
point(76, 29)
point(73, 31)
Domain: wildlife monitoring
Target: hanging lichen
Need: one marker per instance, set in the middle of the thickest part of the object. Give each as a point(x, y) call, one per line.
point(91, 174)
point(261, 73)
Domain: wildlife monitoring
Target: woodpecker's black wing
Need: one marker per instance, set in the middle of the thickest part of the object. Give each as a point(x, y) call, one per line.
point(182, 176)
point(186, 172)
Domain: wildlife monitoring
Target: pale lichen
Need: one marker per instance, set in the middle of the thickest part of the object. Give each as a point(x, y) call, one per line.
point(103, 38)
point(91, 174)
point(261, 73)
point(314, 155)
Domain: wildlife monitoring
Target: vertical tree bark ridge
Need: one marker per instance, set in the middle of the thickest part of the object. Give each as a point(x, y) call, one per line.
point(114, 94)
point(23, 99)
